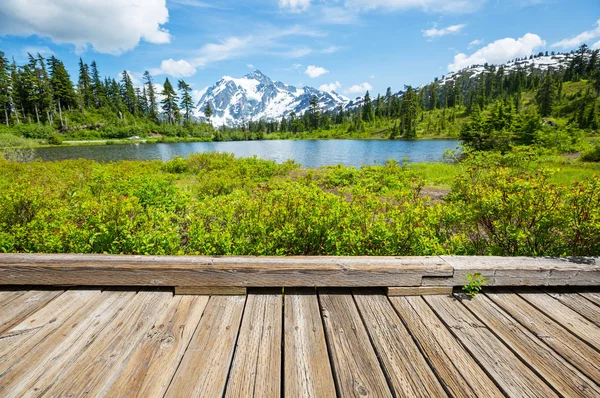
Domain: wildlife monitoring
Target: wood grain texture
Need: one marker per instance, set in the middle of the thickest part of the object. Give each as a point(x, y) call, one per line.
point(111, 270)
point(568, 318)
point(93, 370)
point(151, 366)
point(6, 296)
point(577, 352)
point(419, 291)
point(355, 364)
point(210, 291)
point(521, 271)
point(594, 297)
point(19, 340)
point(22, 306)
point(256, 367)
point(509, 372)
point(455, 367)
point(41, 367)
point(307, 371)
point(205, 364)
point(565, 378)
point(577, 303)
point(405, 366)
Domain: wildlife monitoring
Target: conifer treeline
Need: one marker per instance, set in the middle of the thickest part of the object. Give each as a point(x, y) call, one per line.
point(42, 90)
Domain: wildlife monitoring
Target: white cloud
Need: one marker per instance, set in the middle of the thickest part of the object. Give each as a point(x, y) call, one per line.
point(437, 6)
point(596, 46)
point(197, 94)
point(313, 71)
point(580, 38)
point(331, 49)
point(297, 66)
point(298, 52)
point(475, 43)
point(110, 26)
point(263, 43)
point(250, 66)
point(294, 5)
point(338, 16)
point(359, 88)
point(170, 67)
point(498, 52)
point(330, 87)
point(372, 77)
point(135, 78)
point(450, 30)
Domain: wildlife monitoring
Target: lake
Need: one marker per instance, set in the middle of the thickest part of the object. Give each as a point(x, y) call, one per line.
point(310, 153)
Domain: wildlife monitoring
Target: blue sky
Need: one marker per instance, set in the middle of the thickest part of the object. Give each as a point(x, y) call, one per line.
point(346, 45)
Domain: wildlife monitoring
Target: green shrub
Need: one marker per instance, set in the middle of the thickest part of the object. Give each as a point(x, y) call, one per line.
point(592, 155)
point(55, 139)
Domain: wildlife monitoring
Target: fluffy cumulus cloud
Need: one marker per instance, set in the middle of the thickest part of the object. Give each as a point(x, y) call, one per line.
point(581, 38)
point(170, 67)
point(330, 87)
point(596, 46)
point(359, 88)
point(499, 51)
point(294, 5)
point(449, 30)
point(313, 71)
point(109, 26)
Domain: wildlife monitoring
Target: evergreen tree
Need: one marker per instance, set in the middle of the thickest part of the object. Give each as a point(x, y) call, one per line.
point(546, 96)
point(408, 113)
point(5, 87)
point(128, 93)
point(151, 93)
point(99, 91)
point(208, 112)
point(187, 103)
point(367, 109)
point(169, 102)
point(313, 113)
point(84, 86)
point(62, 86)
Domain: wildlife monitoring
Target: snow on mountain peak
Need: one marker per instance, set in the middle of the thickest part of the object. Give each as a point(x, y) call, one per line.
point(255, 96)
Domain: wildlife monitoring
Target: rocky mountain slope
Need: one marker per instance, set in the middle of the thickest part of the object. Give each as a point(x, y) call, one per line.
point(235, 101)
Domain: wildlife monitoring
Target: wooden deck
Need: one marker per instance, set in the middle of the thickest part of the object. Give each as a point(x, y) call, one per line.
point(348, 342)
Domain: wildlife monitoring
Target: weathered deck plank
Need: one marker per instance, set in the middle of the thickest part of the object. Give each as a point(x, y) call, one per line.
point(16, 342)
point(577, 303)
point(92, 371)
point(581, 355)
point(567, 380)
point(256, 367)
point(407, 369)
point(570, 319)
point(205, 364)
point(509, 372)
point(307, 371)
point(22, 306)
point(455, 367)
point(151, 366)
point(354, 362)
point(41, 367)
point(190, 271)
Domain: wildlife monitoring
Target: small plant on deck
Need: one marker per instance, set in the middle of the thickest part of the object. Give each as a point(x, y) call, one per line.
point(476, 283)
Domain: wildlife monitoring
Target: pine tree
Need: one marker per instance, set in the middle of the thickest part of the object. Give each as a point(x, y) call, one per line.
point(84, 86)
point(208, 112)
point(151, 93)
point(546, 96)
point(313, 113)
point(99, 90)
point(128, 93)
point(187, 103)
point(408, 113)
point(367, 109)
point(169, 102)
point(62, 87)
point(5, 87)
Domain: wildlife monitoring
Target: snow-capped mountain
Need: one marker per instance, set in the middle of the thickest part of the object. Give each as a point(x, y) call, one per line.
point(255, 97)
point(537, 63)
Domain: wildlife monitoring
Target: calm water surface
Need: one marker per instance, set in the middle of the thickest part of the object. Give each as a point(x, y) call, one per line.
point(310, 153)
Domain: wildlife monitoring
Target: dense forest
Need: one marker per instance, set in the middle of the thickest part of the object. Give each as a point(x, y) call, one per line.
point(495, 109)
